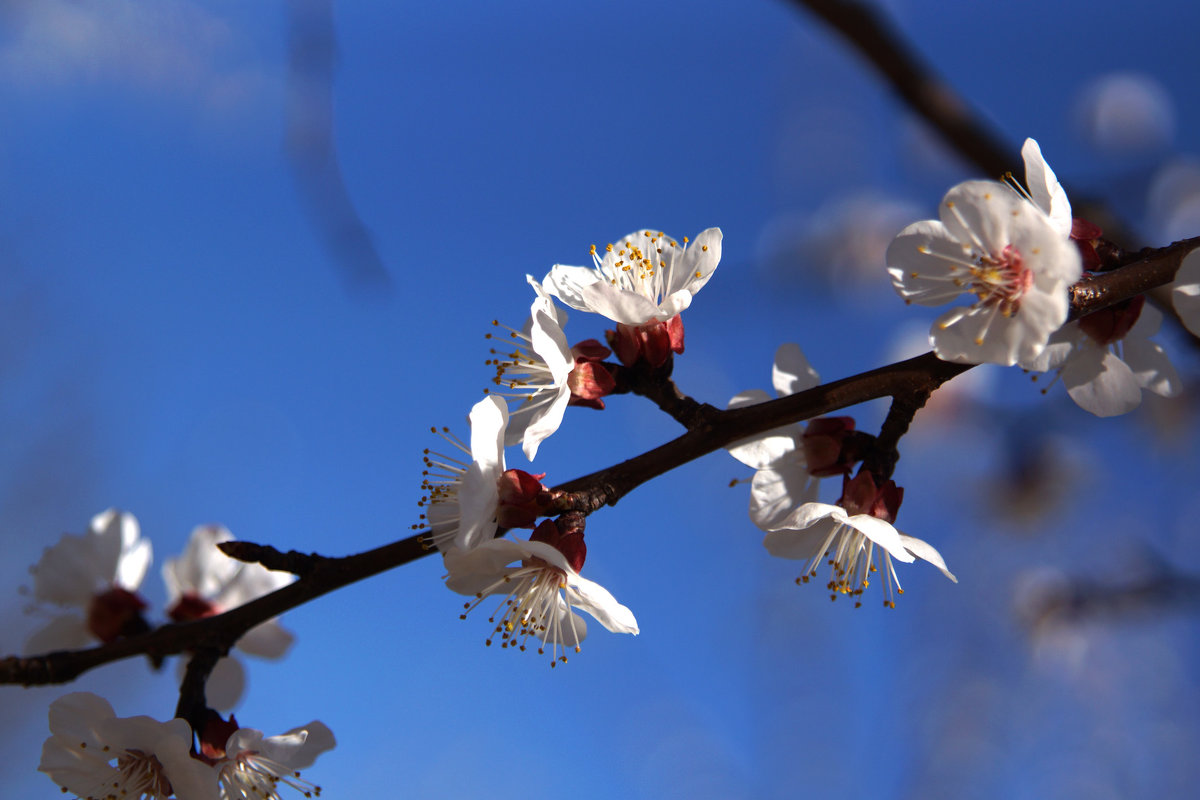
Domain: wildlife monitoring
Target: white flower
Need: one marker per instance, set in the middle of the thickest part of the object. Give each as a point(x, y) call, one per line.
point(537, 371)
point(1106, 359)
point(254, 765)
point(781, 479)
point(463, 496)
point(97, 574)
point(644, 276)
point(96, 755)
point(204, 582)
point(1002, 249)
point(1186, 294)
point(539, 592)
point(847, 535)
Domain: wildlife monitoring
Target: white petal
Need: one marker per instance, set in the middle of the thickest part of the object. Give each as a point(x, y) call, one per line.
point(479, 496)
point(924, 259)
point(791, 372)
point(1186, 294)
point(268, 640)
point(883, 534)
point(225, 684)
point(202, 568)
point(134, 563)
point(66, 573)
point(67, 632)
point(599, 602)
point(799, 545)
point(774, 492)
point(476, 569)
point(1100, 382)
point(923, 550)
point(75, 715)
point(1151, 367)
point(617, 304)
point(691, 270)
point(1045, 189)
point(982, 214)
point(766, 448)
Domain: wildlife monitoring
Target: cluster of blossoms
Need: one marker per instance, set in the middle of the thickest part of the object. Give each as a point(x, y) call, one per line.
point(1017, 251)
point(97, 755)
point(855, 536)
point(1014, 249)
point(91, 581)
point(642, 283)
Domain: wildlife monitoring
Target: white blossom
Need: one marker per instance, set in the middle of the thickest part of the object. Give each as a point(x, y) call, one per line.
point(96, 755)
point(1006, 252)
point(781, 479)
point(641, 277)
point(254, 766)
point(856, 538)
point(463, 495)
point(96, 576)
point(1106, 359)
point(204, 582)
point(540, 587)
point(536, 371)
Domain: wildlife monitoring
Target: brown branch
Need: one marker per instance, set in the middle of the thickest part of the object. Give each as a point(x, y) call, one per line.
point(935, 100)
point(912, 380)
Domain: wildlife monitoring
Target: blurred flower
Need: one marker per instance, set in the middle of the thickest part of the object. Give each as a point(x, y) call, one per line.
point(537, 372)
point(782, 478)
point(840, 245)
point(645, 276)
point(847, 534)
point(468, 500)
point(1126, 113)
point(1186, 292)
point(97, 573)
point(204, 582)
point(249, 765)
point(1004, 250)
point(539, 593)
point(152, 759)
point(1106, 358)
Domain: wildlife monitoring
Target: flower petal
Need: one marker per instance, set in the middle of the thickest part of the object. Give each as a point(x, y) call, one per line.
point(68, 632)
point(1151, 368)
point(925, 551)
point(776, 490)
point(593, 598)
point(225, 684)
point(1100, 382)
point(1186, 294)
point(791, 371)
point(1047, 193)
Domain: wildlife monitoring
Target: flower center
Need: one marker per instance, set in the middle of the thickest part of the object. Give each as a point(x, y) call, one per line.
point(533, 606)
point(141, 775)
point(851, 557)
point(253, 775)
point(1001, 280)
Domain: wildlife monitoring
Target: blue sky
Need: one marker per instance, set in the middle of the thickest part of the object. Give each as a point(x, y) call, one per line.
point(180, 341)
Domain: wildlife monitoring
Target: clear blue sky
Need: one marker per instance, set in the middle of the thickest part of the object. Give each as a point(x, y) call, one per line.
point(178, 340)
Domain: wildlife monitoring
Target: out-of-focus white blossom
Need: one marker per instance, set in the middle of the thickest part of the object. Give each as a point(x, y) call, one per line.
point(96, 575)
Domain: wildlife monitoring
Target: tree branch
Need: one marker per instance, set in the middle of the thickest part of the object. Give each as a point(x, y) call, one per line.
point(913, 380)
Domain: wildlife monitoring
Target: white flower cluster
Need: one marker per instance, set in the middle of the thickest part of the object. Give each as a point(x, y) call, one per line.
point(642, 283)
point(93, 579)
point(1017, 251)
point(97, 755)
